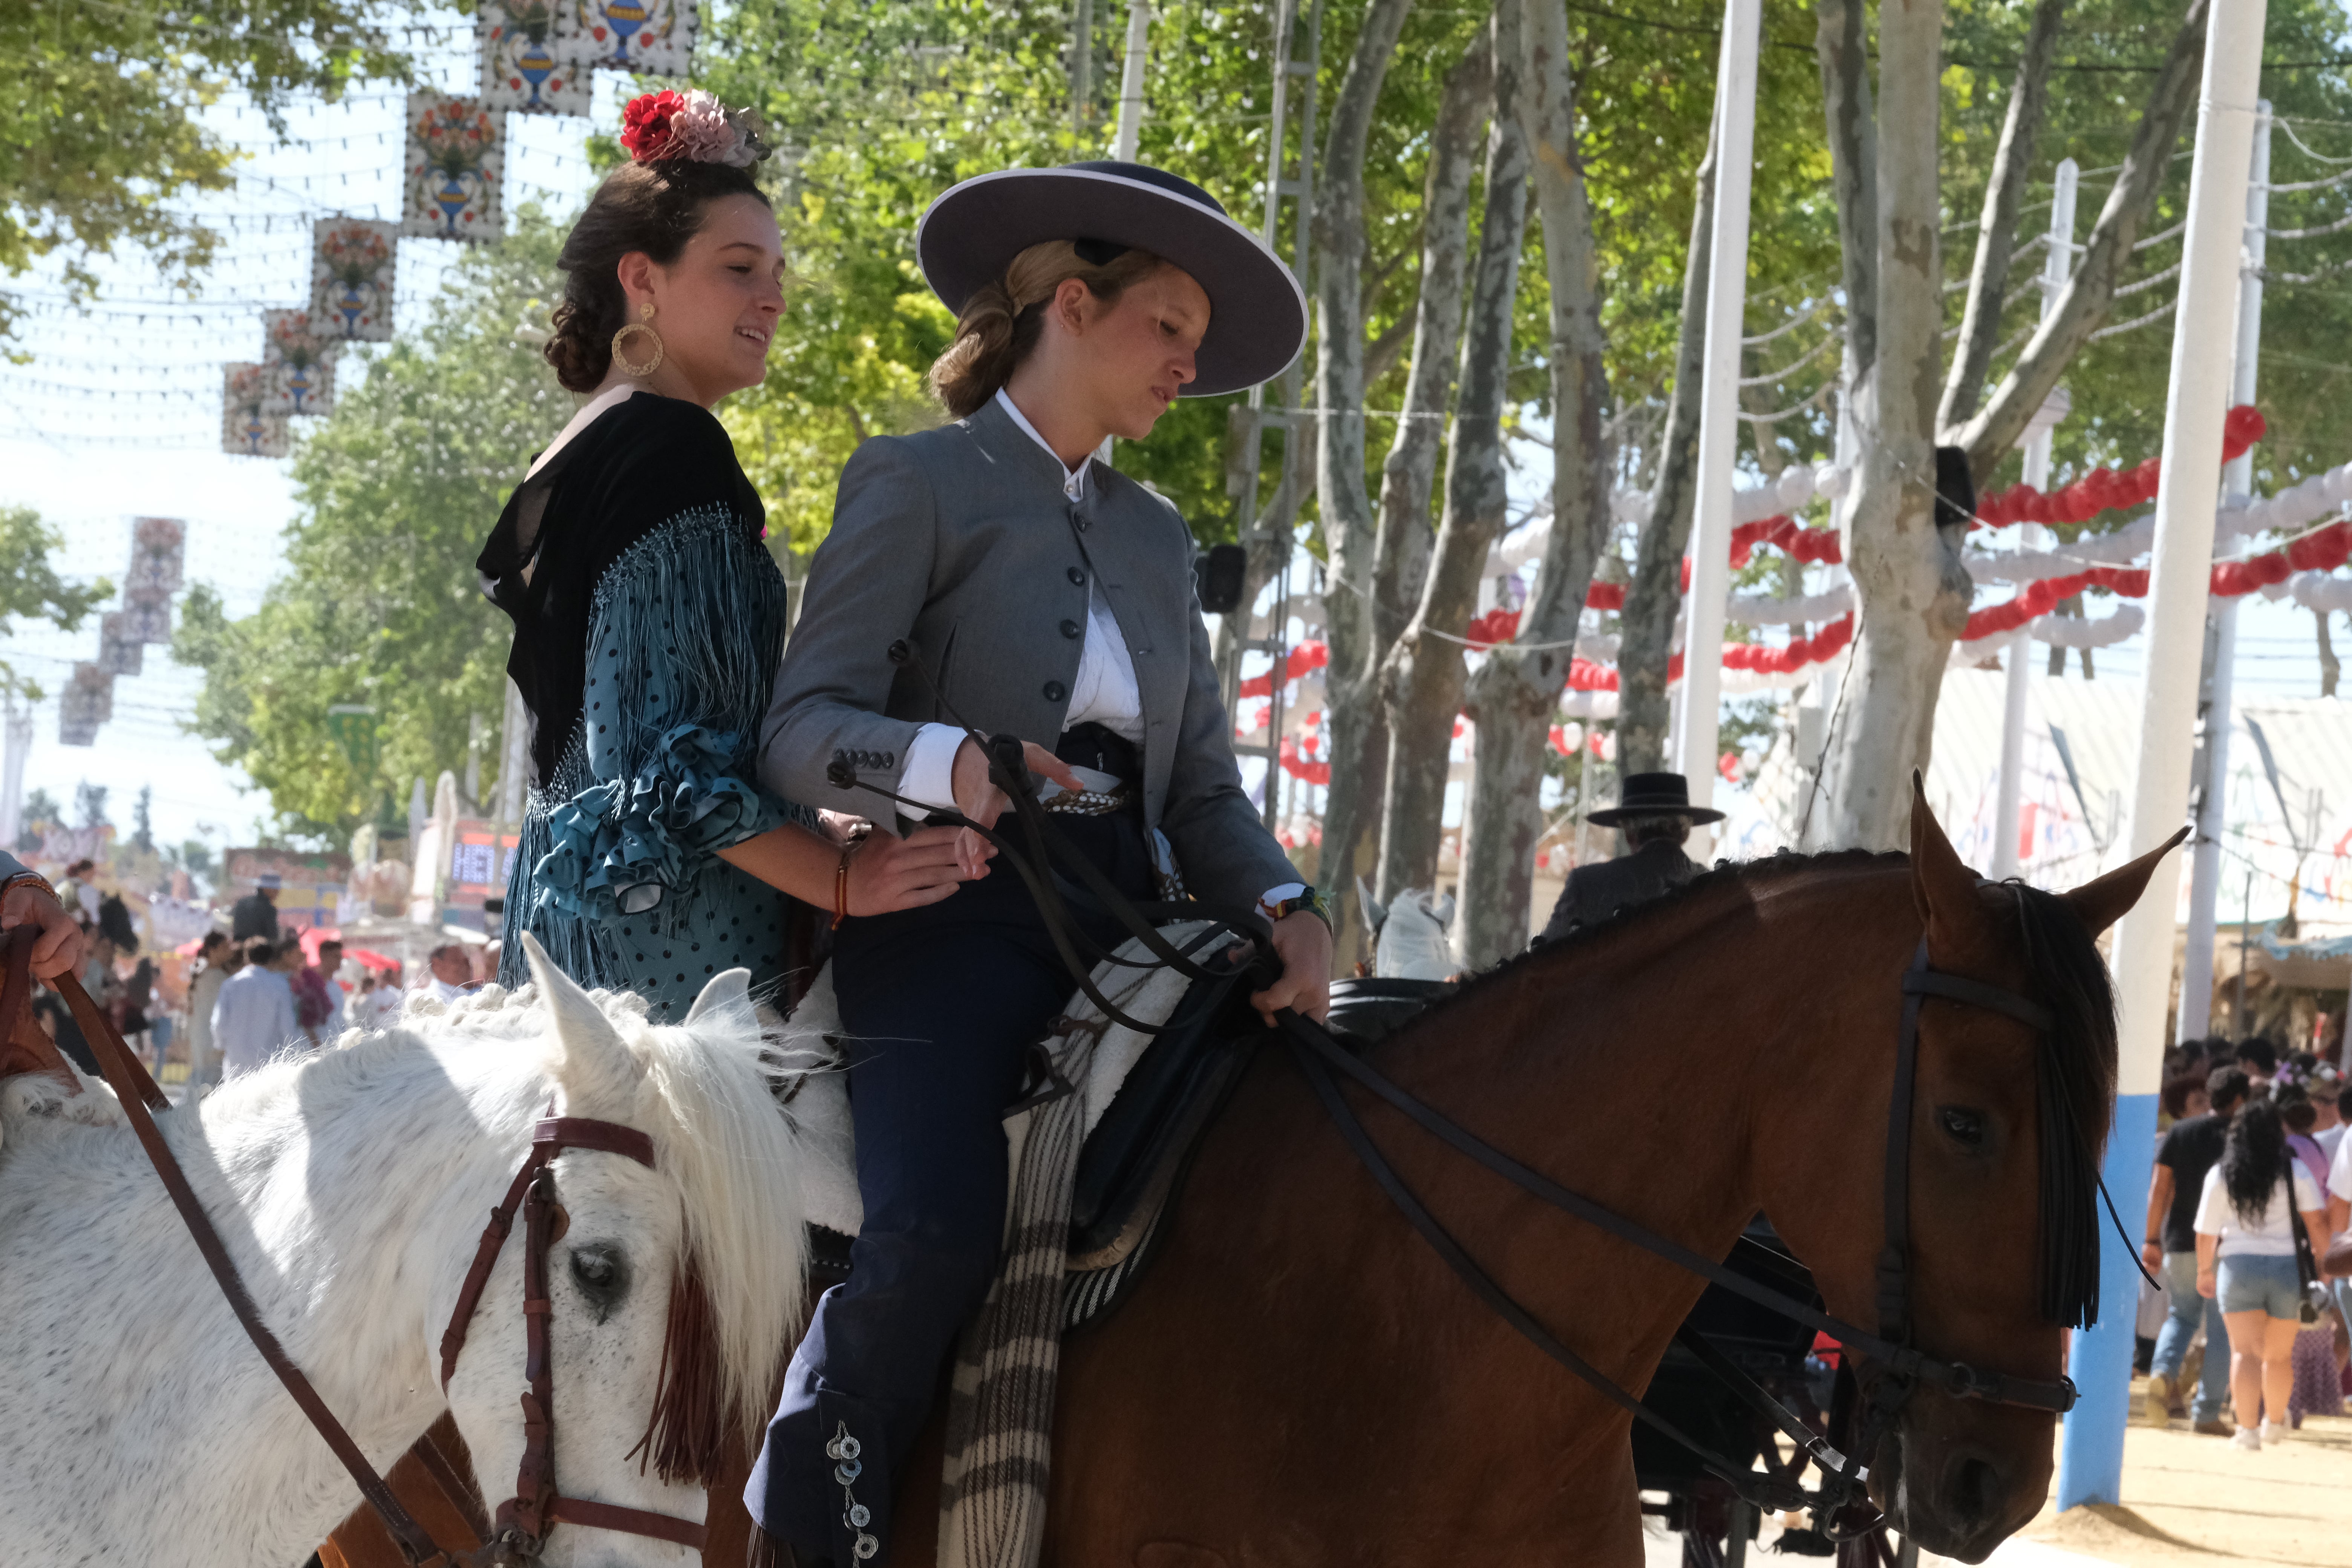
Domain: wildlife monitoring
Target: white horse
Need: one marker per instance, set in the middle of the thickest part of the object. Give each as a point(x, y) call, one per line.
point(137, 1423)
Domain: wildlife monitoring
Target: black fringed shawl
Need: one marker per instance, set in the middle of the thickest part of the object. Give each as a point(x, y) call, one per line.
point(637, 465)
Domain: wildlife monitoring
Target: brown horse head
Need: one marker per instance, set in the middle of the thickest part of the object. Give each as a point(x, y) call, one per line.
point(2007, 1126)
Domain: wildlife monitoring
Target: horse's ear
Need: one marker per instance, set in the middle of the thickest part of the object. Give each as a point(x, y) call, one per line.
point(2101, 902)
point(1944, 889)
point(599, 1072)
point(1374, 910)
point(726, 1002)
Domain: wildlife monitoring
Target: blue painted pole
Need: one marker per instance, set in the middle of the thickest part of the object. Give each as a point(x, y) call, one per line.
point(2091, 1449)
point(2180, 562)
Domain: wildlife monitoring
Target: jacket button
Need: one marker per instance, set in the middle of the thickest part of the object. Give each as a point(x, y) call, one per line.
point(1055, 692)
point(1069, 629)
point(1077, 576)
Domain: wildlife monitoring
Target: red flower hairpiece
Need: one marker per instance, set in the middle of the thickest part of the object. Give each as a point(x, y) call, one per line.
point(692, 126)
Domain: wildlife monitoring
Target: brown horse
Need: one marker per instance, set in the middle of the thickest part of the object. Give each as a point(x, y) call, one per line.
point(1300, 1380)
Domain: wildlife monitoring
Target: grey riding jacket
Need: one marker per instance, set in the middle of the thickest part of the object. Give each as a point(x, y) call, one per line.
point(961, 540)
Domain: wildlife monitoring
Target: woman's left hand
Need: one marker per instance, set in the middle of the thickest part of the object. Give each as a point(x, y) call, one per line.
point(1303, 942)
point(60, 950)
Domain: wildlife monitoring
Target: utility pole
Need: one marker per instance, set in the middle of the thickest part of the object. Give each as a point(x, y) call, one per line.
point(2057, 264)
point(1130, 80)
point(1696, 719)
point(1082, 66)
point(1297, 48)
point(2211, 792)
point(19, 747)
point(2180, 559)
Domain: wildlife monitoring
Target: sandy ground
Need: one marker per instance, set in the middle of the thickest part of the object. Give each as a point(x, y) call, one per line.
point(2190, 1498)
point(2185, 1499)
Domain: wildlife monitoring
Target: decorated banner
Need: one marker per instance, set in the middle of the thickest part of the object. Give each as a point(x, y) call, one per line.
point(87, 702)
point(158, 555)
point(653, 38)
point(301, 364)
point(119, 652)
point(531, 56)
point(147, 622)
point(351, 264)
point(456, 148)
point(352, 726)
point(245, 429)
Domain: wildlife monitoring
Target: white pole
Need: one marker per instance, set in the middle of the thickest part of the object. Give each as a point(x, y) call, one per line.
point(2057, 265)
point(1727, 301)
point(2091, 1454)
point(2237, 478)
point(1131, 81)
point(514, 757)
point(19, 745)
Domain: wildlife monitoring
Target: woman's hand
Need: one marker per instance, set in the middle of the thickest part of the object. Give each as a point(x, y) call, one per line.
point(1303, 942)
point(2207, 1285)
point(60, 947)
point(977, 797)
point(887, 873)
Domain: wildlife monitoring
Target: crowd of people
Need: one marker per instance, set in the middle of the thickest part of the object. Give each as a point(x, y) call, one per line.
point(2251, 1193)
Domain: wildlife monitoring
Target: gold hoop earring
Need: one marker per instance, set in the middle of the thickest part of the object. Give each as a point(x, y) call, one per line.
point(638, 372)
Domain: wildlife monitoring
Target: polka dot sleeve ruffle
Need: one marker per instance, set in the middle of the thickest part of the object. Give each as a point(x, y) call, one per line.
point(623, 845)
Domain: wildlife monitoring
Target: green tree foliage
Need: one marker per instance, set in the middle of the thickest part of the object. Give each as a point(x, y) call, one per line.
point(40, 811)
point(102, 118)
point(378, 603)
point(30, 588)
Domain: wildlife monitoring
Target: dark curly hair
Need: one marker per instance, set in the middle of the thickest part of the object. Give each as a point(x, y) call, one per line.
point(652, 207)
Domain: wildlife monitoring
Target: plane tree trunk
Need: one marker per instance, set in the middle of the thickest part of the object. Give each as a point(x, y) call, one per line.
point(1516, 693)
point(1349, 532)
point(1422, 678)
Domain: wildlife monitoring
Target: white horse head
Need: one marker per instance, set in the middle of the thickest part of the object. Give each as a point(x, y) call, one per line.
point(351, 1187)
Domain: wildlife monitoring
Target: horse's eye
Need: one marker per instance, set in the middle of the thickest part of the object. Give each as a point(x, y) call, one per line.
point(1964, 1126)
point(603, 1275)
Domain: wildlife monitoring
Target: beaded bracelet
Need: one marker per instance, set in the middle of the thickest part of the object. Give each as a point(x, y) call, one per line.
point(33, 877)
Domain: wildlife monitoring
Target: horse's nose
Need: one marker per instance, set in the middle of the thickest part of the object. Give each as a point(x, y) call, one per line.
point(1976, 1493)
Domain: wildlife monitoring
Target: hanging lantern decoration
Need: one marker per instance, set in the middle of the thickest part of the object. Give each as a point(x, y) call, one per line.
point(119, 653)
point(351, 267)
point(87, 702)
point(158, 554)
point(245, 429)
point(455, 150)
point(650, 37)
point(301, 364)
point(531, 57)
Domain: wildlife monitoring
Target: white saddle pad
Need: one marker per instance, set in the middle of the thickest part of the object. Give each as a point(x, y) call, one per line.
point(821, 1109)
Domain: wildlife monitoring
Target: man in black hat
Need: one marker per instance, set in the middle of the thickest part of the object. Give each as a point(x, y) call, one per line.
point(1655, 814)
point(256, 914)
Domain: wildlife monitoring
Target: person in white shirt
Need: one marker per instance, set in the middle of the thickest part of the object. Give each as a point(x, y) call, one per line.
point(2252, 1200)
point(2339, 1203)
point(253, 1019)
point(449, 973)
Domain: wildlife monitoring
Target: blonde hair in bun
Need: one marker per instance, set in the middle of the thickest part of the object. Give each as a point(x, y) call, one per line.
point(1002, 320)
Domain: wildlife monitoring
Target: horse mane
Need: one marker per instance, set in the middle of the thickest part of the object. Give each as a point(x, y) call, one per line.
point(705, 1099)
point(2074, 1069)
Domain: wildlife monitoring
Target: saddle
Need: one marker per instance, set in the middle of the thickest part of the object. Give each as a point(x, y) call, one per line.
point(1150, 1100)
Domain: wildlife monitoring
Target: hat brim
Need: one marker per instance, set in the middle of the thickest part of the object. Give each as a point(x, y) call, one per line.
point(1698, 814)
point(1257, 313)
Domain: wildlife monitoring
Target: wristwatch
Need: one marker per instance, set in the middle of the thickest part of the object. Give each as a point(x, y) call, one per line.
point(1313, 902)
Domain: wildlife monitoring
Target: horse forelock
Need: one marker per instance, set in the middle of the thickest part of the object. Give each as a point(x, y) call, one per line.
point(718, 1138)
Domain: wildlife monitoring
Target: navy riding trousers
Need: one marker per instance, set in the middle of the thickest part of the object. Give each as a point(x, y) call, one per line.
point(940, 1005)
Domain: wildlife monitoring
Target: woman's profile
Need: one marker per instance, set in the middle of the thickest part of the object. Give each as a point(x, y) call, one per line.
point(648, 615)
point(1048, 596)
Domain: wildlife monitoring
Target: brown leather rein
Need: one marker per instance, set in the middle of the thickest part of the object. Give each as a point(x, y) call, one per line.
point(520, 1532)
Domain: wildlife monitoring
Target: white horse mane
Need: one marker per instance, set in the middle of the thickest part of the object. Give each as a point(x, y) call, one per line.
point(703, 1096)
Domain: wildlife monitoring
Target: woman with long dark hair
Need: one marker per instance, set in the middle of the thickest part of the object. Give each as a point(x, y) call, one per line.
point(648, 615)
point(1051, 597)
point(2254, 1198)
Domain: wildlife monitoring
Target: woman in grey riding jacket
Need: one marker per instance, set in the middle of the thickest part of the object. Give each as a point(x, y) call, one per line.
point(1050, 597)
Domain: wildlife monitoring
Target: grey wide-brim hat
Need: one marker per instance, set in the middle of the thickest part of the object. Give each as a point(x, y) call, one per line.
point(1257, 313)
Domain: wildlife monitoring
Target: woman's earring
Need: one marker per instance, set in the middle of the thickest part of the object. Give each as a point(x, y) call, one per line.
point(638, 372)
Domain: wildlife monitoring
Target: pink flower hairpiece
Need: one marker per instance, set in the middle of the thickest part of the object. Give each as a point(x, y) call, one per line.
point(693, 127)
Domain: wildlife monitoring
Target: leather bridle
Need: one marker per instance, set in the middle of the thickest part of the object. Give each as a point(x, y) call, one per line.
point(520, 1532)
point(1895, 1367)
point(520, 1528)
